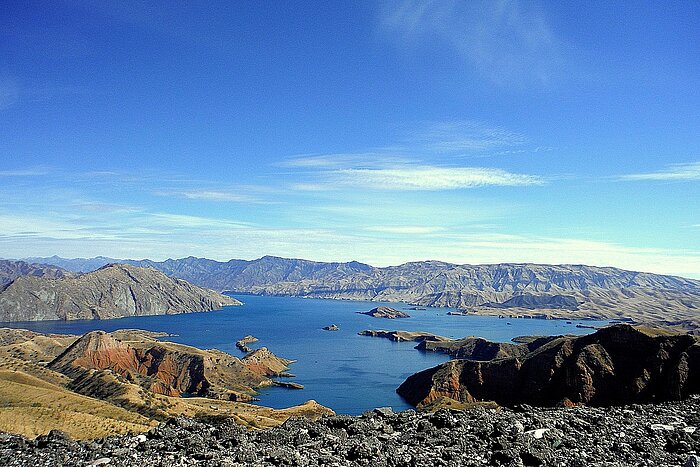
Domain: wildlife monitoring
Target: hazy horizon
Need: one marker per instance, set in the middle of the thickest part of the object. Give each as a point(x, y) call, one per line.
point(382, 132)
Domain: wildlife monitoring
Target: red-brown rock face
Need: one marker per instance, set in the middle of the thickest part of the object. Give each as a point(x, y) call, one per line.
point(171, 369)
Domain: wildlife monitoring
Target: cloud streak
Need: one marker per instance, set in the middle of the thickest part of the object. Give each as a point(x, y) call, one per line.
point(430, 178)
point(674, 172)
point(405, 229)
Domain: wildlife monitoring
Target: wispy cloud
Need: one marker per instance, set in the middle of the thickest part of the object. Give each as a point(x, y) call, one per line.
point(31, 172)
point(373, 159)
point(508, 42)
point(405, 229)
point(674, 172)
point(9, 92)
point(430, 178)
point(216, 196)
point(463, 137)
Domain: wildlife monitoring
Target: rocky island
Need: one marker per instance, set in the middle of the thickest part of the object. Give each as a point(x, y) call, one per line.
point(385, 312)
point(403, 336)
point(114, 291)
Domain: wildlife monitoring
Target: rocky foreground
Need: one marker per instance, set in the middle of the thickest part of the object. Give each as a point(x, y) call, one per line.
point(643, 435)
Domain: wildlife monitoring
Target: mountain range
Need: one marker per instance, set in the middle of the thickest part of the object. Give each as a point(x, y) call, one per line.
point(561, 291)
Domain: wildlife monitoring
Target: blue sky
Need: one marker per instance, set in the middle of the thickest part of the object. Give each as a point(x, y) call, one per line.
point(382, 132)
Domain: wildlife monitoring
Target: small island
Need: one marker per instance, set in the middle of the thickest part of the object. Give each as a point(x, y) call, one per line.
point(385, 312)
point(242, 344)
point(332, 327)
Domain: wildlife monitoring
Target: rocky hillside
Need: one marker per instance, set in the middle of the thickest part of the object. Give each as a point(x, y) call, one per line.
point(564, 291)
point(113, 291)
point(170, 369)
point(11, 270)
point(127, 381)
point(641, 435)
point(615, 365)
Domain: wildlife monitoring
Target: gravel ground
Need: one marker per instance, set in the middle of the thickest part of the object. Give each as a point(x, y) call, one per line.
point(665, 434)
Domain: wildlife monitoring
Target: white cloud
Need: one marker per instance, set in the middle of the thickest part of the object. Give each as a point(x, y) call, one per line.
point(405, 229)
point(430, 178)
point(221, 196)
point(508, 42)
point(382, 158)
point(674, 172)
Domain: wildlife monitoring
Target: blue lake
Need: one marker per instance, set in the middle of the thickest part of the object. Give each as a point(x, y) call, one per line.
point(339, 369)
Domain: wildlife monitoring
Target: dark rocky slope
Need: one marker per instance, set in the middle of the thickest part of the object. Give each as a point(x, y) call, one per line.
point(114, 291)
point(618, 364)
point(641, 435)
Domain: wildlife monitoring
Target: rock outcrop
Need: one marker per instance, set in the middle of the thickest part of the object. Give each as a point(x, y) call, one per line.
point(242, 344)
point(114, 291)
point(385, 312)
point(170, 369)
point(404, 336)
point(478, 348)
point(616, 365)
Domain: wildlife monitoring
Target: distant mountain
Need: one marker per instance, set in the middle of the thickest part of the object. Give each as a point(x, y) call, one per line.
point(75, 264)
point(114, 291)
point(11, 270)
point(566, 291)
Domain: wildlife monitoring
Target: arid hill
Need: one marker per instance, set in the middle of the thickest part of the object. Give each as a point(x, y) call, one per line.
point(126, 381)
point(617, 365)
point(113, 291)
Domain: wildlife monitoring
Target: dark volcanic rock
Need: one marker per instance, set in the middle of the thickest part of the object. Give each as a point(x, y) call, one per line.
point(640, 435)
point(385, 312)
point(616, 365)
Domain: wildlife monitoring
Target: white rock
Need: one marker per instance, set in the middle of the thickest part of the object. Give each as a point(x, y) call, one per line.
point(140, 438)
point(538, 433)
point(101, 461)
point(517, 428)
point(689, 429)
point(660, 427)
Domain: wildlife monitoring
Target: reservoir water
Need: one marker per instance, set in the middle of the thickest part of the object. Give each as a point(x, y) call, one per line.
point(339, 369)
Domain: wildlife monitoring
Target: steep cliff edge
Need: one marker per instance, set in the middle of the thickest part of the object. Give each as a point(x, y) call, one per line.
point(114, 291)
point(616, 365)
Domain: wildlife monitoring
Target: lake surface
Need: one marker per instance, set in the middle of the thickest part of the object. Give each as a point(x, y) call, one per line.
point(339, 369)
